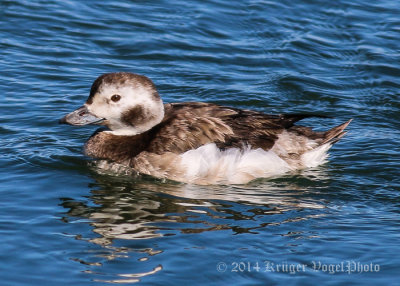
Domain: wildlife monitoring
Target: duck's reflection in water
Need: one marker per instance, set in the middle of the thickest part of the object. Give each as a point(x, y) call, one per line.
point(122, 208)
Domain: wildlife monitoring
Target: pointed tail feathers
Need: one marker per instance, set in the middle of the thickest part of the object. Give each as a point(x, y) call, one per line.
point(333, 135)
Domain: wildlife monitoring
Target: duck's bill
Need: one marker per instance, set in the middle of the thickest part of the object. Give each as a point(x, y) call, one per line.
point(80, 117)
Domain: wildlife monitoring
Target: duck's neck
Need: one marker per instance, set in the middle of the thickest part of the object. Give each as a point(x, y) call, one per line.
point(118, 148)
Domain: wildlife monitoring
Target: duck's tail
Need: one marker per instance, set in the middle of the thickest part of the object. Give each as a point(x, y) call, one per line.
point(333, 135)
point(318, 154)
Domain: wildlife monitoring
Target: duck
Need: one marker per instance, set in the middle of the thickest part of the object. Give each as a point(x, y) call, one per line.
point(194, 142)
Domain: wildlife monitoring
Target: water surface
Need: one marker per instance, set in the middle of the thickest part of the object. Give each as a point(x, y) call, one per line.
point(64, 223)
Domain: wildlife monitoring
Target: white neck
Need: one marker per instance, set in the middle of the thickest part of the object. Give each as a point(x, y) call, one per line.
point(124, 132)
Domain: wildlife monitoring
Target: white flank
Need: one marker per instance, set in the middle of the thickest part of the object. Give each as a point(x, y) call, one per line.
point(316, 156)
point(208, 164)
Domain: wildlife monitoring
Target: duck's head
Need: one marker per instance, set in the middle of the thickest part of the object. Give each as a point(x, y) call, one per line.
point(126, 103)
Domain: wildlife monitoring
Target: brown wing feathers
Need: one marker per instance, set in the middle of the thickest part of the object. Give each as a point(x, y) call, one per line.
point(190, 125)
point(289, 120)
point(182, 133)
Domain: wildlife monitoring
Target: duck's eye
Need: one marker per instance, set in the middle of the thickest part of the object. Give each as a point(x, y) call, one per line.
point(115, 97)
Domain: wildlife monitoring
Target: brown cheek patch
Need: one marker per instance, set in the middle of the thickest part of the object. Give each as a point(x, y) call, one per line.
point(136, 116)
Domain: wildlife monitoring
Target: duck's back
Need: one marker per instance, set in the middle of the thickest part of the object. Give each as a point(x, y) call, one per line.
point(189, 125)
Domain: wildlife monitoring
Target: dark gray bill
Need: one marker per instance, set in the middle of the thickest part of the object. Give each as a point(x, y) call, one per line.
point(81, 116)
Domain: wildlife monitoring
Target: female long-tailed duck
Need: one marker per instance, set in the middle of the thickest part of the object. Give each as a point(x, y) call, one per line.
point(194, 142)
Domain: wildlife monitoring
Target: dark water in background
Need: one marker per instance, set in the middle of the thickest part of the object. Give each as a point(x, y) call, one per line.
point(63, 223)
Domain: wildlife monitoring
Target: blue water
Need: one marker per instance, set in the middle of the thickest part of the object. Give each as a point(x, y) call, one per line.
point(63, 223)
